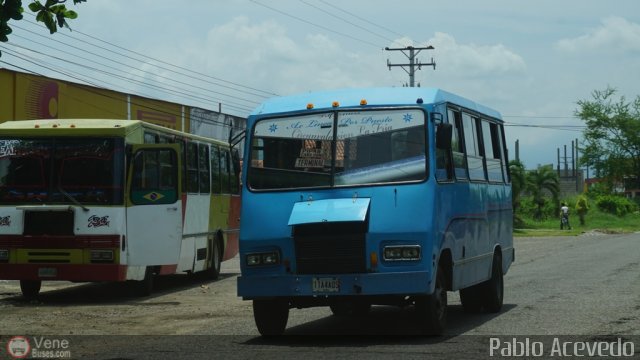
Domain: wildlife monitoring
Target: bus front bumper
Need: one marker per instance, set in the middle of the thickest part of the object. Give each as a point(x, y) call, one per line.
point(400, 283)
point(67, 272)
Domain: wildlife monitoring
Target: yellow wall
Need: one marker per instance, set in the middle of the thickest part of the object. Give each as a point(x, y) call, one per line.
point(78, 101)
point(27, 97)
point(158, 112)
point(6, 95)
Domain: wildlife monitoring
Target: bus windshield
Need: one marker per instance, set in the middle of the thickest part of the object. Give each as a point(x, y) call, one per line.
point(61, 170)
point(339, 148)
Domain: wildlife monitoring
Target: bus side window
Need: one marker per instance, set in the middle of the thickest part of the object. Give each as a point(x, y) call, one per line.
point(215, 170)
point(235, 172)
point(150, 138)
point(224, 170)
point(472, 148)
point(492, 151)
point(457, 145)
point(192, 168)
point(155, 177)
point(504, 155)
point(444, 171)
point(203, 168)
point(183, 156)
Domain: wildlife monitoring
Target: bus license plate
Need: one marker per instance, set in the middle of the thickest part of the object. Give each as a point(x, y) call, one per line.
point(47, 272)
point(325, 285)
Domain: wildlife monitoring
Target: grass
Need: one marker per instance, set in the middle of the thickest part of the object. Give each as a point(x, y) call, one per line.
point(595, 220)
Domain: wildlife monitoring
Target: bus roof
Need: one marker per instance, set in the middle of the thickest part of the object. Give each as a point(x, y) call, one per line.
point(50, 127)
point(373, 96)
point(85, 127)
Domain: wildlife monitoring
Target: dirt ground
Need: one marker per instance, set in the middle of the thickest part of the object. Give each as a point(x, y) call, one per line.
point(180, 304)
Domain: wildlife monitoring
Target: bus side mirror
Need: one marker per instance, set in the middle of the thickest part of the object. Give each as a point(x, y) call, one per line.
point(443, 136)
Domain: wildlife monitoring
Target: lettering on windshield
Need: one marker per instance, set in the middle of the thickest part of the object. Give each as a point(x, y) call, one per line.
point(8, 147)
point(350, 124)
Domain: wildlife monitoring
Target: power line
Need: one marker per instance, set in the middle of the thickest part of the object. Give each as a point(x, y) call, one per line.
point(187, 92)
point(118, 99)
point(346, 21)
point(132, 58)
point(267, 93)
point(316, 25)
point(95, 82)
point(577, 128)
point(362, 19)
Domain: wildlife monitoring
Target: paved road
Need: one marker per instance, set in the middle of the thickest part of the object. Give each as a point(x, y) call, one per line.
point(588, 286)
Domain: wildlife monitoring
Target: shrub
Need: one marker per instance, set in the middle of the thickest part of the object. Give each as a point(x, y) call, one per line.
point(616, 205)
point(528, 208)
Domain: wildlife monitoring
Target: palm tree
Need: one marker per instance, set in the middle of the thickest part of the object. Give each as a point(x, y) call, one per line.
point(540, 182)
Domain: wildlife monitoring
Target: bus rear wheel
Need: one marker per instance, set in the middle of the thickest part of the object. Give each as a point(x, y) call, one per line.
point(493, 296)
point(489, 294)
point(271, 316)
point(30, 288)
point(215, 261)
point(432, 309)
point(144, 287)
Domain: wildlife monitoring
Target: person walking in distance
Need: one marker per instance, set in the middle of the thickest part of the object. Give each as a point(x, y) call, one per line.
point(564, 217)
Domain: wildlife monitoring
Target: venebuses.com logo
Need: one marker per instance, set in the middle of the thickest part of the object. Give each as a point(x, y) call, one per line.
point(18, 347)
point(38, 347)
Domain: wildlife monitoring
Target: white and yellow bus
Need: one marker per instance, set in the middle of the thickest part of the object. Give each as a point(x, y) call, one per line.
point(89, 200)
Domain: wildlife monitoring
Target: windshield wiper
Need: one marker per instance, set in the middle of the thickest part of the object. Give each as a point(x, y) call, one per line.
point(73, 200)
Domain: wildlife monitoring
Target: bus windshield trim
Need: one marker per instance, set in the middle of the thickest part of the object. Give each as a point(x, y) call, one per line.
point(338, 148)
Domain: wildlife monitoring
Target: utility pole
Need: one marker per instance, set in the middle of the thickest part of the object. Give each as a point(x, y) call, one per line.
point(413, 62)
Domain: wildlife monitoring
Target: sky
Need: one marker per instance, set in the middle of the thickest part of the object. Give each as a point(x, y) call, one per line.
point(530, 60)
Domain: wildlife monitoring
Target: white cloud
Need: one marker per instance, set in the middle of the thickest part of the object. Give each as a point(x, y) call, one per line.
point(614, 34)
point(473, 60)
point(264, 55)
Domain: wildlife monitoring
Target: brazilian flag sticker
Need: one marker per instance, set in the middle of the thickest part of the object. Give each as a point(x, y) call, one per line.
point(153, 196)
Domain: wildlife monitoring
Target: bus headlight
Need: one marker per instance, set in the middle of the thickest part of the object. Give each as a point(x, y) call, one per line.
point(4, 255)
point(265, 258)
point(401, 252)
point(101, 256)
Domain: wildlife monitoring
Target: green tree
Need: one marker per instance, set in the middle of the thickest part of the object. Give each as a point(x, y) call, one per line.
point(518, 185)
point(612, 137)
point(53, 13)
point(540, 182)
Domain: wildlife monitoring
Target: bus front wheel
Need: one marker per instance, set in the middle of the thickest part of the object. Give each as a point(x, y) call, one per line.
point(432, 309)
point(271, 316)
point(30, 288)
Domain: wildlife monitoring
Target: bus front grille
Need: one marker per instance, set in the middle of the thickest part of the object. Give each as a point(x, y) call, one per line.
point(330, 248)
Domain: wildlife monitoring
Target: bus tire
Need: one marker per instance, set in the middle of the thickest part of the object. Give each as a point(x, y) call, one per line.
point(215, 260)
point(30, 288)
point(471, 299)
point(271, 316)
point(493, 291)
point(432, 309)
point(144, 287)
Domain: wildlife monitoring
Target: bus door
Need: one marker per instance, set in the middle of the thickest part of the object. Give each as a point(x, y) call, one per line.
point(154, 205)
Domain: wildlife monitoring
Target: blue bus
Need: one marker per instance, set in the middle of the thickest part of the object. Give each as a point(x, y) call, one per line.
point(382, 196)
